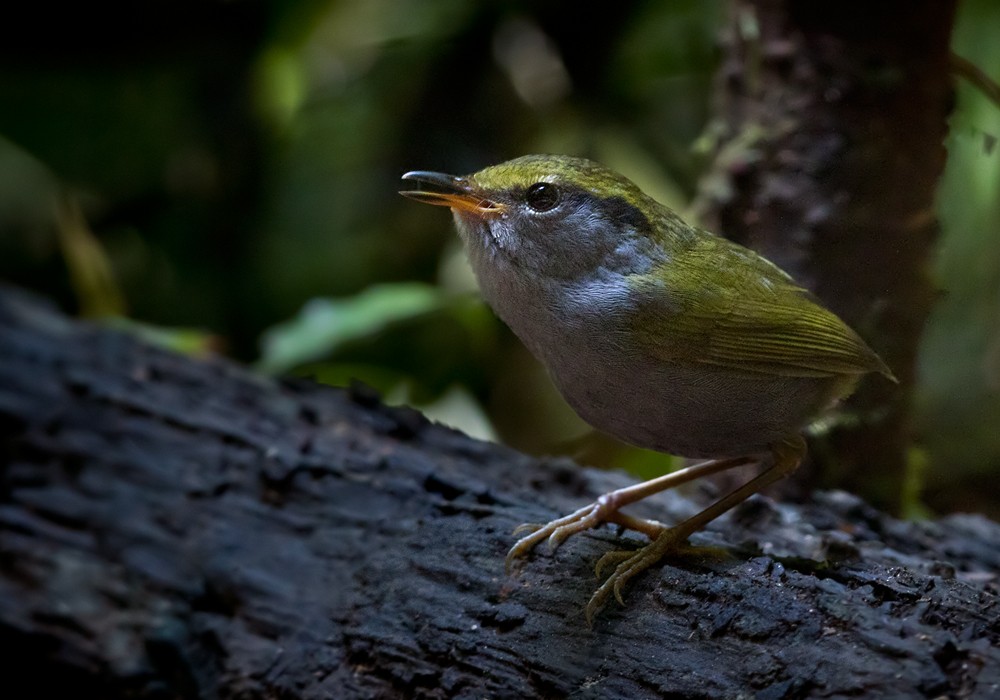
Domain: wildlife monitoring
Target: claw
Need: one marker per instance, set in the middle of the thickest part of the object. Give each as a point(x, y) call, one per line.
point(627, 566)
point(611, 558)
point(508, 565)
point(526, 527)
point(617, 588)
point(596, 603)
point(590, 611)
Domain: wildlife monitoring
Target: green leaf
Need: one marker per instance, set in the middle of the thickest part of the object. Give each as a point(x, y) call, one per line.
point(188, 341)
point(324, 325)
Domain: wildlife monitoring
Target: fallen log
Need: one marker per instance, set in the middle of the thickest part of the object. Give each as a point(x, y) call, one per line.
point(174, 527)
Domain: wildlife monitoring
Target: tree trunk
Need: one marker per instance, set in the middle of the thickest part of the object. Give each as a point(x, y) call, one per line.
point(180, 528)
point(831, 118)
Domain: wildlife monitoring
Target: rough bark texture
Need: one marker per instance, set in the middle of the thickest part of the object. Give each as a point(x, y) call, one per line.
point(172, 527)
point(831, 118)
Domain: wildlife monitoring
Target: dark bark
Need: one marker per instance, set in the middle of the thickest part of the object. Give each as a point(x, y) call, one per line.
point(172, 527)
point(831, 118)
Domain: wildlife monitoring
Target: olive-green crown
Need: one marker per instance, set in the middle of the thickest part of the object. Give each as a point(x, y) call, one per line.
point(579, 172)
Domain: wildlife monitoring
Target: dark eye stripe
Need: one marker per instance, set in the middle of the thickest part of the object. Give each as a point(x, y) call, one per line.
point(618, 209)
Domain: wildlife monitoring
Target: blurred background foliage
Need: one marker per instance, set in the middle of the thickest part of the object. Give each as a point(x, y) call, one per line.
point(221, 176)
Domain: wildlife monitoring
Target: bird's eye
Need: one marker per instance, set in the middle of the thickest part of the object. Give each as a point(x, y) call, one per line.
point(542, 196)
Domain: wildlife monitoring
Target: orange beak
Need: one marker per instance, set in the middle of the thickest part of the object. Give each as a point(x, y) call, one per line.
point(449, 191)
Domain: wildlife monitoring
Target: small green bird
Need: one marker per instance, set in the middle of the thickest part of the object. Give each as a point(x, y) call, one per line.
point(661, 334)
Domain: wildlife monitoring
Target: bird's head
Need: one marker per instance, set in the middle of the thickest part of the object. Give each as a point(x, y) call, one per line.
point(557, 216)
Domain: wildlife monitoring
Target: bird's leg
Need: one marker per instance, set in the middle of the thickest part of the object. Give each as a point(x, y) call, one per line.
point(605, 509)
point(787, 455)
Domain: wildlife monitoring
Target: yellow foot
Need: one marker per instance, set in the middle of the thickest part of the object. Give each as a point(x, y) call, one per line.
point(629, 563)
point(604, 509)
point(555, 532)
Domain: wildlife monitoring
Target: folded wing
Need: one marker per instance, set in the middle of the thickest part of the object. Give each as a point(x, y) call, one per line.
point(745, 313)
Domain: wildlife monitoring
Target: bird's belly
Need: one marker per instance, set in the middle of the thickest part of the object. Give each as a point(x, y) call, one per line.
point(691, 410)
point(696, 411)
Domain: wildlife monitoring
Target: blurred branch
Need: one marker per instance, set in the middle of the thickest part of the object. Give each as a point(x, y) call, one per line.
point(976, 76)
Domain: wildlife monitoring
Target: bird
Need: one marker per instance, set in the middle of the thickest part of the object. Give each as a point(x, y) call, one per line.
point(657, 332)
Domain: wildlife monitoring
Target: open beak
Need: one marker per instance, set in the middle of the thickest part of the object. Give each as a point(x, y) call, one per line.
point(448, 191)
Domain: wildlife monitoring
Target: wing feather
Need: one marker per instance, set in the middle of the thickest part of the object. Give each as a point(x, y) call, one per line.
point(744, 313)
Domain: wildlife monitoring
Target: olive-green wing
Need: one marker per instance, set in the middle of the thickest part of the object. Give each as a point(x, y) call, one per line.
point(719, 304)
